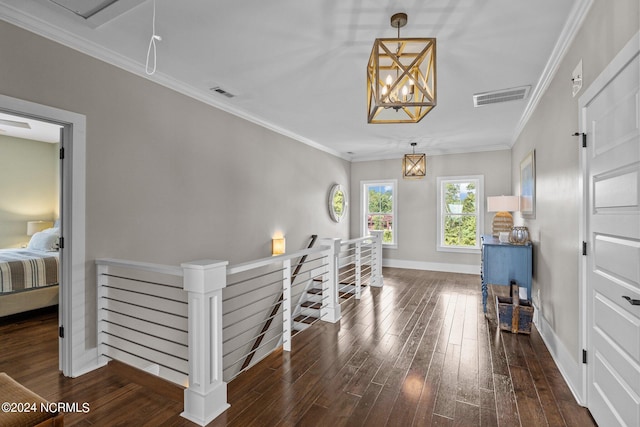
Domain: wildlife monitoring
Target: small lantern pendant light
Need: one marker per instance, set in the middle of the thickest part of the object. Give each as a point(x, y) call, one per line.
point(414, 166)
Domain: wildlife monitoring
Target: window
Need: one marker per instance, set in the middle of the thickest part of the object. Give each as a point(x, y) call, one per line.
point(379, 209)
point(460, 213)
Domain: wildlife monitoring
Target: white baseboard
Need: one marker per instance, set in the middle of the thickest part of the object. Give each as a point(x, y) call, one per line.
point(570, 369)
point(433, 266)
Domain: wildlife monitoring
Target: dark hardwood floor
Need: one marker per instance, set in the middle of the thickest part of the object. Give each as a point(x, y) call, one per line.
point(418, 351)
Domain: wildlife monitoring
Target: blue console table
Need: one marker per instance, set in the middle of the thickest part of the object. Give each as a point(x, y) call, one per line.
point(503, 262)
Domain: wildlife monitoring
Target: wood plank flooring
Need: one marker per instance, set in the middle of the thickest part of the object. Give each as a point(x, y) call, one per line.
point(418, 351)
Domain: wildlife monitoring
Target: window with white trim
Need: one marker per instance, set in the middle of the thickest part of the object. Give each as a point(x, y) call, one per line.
point(460, 213)
point(378, 203)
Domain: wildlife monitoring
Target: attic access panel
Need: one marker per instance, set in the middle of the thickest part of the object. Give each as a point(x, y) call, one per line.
point(97, 12)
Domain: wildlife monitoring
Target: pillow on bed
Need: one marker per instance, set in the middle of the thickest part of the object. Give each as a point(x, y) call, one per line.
point(43, 242)
point(53, 230)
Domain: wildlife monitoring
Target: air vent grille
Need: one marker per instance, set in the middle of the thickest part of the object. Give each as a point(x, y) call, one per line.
point(221, 91)
point(498, 96)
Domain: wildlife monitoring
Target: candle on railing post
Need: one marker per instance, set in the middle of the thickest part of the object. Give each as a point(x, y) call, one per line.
point(358, 262)
point(206, 396)
point(330, 311)
point(376, 258)
point(287, 318)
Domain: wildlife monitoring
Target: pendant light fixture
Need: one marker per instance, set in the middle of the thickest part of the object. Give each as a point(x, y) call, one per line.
point(401, 77)
point(414, 166)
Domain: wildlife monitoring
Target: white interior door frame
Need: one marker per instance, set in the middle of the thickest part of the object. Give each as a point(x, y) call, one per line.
point(75, 357)
point(626, 54)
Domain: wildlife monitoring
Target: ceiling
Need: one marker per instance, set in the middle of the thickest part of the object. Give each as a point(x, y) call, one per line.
point(299, 67)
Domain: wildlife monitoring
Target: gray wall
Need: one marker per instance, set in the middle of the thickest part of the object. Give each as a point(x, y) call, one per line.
point(170, 179)
point(28, 187)
point(607, 28)
point(417, 204)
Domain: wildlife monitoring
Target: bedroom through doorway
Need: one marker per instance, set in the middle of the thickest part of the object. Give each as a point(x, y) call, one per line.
point(30, 219)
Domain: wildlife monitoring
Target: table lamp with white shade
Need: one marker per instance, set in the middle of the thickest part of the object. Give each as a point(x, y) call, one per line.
point(35, 226)
point(503, 206)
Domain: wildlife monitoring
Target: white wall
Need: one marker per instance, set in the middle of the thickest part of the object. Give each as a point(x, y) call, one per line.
point(555, 231)
point(417, 205)
point(170, 179)
point(28, 187)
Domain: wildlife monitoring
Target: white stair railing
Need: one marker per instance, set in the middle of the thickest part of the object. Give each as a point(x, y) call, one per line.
point(167, 320)
point(180, 323)
point(360, 263)
point(259, 283)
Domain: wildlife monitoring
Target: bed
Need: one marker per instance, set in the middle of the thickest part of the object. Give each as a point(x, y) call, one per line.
point(29, 276)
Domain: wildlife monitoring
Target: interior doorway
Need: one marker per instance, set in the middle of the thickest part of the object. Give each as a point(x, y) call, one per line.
point(31, 213)
point(76, 356)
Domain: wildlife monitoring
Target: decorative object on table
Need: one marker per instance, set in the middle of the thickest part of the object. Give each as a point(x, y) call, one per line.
point(528, 185)
point(514, 314)
point(337, 202)
point(504, 236)
point(519, 235)
point(401, 77)
point(414, 166)
point(502, 205)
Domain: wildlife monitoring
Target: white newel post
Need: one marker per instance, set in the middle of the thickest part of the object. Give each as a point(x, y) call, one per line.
point(206, 396)
point(376, 262)
point(330, 311)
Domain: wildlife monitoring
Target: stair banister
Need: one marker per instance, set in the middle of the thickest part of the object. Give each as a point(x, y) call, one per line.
point(330, 311)
point(376, 266)
point(276, 307)
point(206, 396)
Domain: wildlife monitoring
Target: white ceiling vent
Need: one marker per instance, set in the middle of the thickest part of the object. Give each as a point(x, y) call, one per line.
point(221, 91)
point(497, 96)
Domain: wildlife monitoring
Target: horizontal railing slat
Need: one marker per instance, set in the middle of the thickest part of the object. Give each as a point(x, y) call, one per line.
point(145, 353)
point(178, 350)
point(147, 301)
point(176, 321)
point(133, 360)
point(145, 326)
point(167, 292)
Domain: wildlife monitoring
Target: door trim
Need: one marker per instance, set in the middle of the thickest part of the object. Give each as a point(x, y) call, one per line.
point(619, 62)
point(76, 356)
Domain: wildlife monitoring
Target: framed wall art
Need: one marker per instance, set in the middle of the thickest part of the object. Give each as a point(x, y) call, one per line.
point(528, 185)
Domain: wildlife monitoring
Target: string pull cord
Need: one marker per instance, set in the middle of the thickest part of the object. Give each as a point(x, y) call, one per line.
point(152, 45)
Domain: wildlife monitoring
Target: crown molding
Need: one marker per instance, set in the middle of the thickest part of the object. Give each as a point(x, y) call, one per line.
point(568, 34)
point(437, 152)
point(87, 47)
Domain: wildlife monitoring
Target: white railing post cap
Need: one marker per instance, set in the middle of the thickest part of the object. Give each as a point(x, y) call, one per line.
point(204, 264)
point(205, 275)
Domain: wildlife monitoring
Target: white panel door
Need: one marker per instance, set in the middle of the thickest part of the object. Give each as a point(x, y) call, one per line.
point(611, 120)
